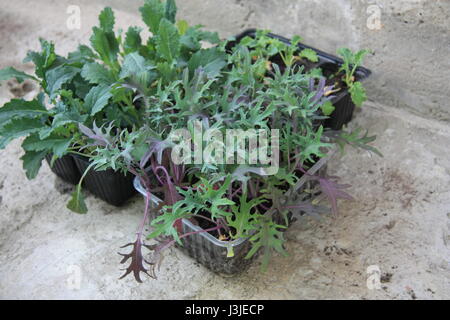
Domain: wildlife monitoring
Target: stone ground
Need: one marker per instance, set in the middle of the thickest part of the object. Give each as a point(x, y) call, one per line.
point(400, 221)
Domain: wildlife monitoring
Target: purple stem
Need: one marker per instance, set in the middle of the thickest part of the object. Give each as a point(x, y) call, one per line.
point(252, 188)
point(236, 192)
point(146, 211)
point(165, 172)
point(168, 244)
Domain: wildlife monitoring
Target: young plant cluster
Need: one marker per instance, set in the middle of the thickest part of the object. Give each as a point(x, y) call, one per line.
point(118, 101)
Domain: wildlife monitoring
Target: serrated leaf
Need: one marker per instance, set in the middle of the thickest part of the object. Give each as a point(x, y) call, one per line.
point(165, 223)
point(333, 191)
point(211, 37)
point(210, 60)
point(359, 56)
point(269, 239)
point(190, 43)
point(138, 69)
point(152, 12)
point(62, 119)
point(171, 10)
point(216, 197)
point(327, 108)
point(83, 54)
point(10, 73)
point(285, 176)
point(134, 64)
point(168, 41)
point(313, 146)
point(80, 87)
point(57, 145)
point(358, 93)
point(295, 40)
point(42, 60)
point(346, 54)
point(243, 219)
point(137, 260)
point(316, 73)
point(18, 108)
point(59, 76)
point(355, 140)
point(97, 99)
point(167, 73)
point(106, 45)
point(133, 40)
point(20, 127)
point(97, 74)
point(32, 161)
point(309, 54)
point(107, 19)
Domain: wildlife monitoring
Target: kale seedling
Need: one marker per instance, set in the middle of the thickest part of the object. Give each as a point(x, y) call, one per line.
point(265, 47)
point(351, 62)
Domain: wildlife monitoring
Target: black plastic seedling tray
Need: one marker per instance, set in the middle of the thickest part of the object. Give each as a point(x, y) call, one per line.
point(113, 187)
point(110, 186)
point(344, 106)
point(65, 168)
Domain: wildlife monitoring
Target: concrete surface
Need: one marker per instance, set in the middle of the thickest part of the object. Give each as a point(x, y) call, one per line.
point(400, 222)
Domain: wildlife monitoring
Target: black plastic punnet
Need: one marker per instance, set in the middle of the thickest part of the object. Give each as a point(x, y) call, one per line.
point(65, 168)
point(342, 102)
point(110, 186)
